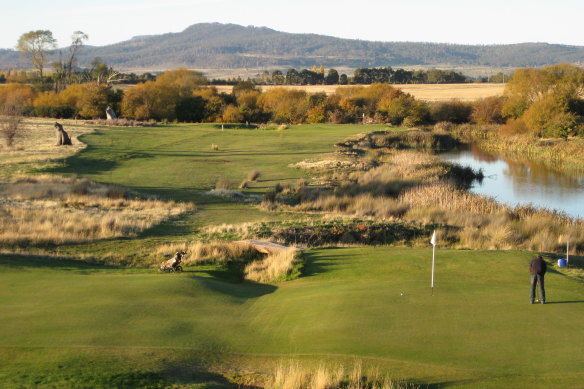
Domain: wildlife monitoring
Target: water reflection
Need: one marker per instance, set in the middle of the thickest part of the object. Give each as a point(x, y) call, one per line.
point(519, 181)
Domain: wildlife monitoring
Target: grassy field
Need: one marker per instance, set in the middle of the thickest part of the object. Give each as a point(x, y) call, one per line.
point(70, 323)
point(66, 322)
point(427, 92)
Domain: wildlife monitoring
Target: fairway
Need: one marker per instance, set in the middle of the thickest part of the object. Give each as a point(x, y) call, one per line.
point(373, 304)
point(69, 322)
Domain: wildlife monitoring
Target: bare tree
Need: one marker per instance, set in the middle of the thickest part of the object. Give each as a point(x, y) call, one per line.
point(77, 40)
point(10, 123)
point(63, 71)
point(36, 45)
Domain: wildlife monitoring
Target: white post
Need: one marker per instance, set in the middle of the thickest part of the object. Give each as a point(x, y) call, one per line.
point(568, 252)
point(433, 256)
point(433, 241)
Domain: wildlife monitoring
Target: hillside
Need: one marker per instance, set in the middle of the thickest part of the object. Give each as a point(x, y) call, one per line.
point(229, 46)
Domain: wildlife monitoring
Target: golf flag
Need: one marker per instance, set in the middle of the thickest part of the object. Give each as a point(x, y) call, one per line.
point(433, 241)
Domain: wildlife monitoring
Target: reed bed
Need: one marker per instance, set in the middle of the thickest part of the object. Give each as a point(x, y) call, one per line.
point(415, 187)
point(565, 154)
point(293, 375)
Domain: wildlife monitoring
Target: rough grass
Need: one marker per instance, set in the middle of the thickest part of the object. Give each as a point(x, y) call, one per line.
point(412, 186)
point(275, 266)
point(293, 375)
point(278, 265)
point(35, 147)
point(47, 209)
point(211, 252)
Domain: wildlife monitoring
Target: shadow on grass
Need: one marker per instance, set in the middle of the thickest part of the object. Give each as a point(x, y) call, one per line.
point(565, 302)
point(185, 375)
point(244, 290)
point(82, 165)
point(446, 384)
point(316, 264)
point(58, 263)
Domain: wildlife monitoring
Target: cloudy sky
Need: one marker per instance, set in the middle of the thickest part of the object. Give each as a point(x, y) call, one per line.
point(450, 21)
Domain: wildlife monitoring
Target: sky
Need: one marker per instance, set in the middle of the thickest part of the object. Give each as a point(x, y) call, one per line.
point(444, 21)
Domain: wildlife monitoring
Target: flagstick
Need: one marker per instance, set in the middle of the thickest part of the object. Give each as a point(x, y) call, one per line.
point(433, 256)
point(568, 253)
point(433, 242)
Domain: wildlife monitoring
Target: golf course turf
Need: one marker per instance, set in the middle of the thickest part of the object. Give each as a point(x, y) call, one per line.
point(366, 303)
point(69, 323)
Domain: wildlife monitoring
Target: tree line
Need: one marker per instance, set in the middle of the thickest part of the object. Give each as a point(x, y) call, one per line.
point(537, 102)
point(361, 76)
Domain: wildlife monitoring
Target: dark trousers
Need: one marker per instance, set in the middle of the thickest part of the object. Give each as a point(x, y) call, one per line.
point(537, 279)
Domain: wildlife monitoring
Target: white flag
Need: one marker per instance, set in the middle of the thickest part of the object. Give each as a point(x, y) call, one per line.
point(433, 240)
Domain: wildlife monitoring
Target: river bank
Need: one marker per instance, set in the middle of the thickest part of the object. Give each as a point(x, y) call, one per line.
point(566, 155)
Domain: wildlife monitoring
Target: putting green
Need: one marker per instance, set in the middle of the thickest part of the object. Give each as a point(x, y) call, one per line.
point(374, 304)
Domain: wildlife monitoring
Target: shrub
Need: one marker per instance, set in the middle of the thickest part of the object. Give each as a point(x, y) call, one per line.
point(57, 112)
point(443, 127)
point(231, 114)
point(14, 94)
point(316, 114)
point(562, 125)
point(514, 127)
point(487, 110)
point(10, 123)
point(454, 111)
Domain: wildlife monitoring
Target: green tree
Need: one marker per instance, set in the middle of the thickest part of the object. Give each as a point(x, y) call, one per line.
point(332, 78)
point(242, 87)
point(278, 77)
point(36, 46)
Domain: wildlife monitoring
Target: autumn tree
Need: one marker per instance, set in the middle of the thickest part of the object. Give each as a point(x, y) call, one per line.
point(487, 110)
point(36, 46)
point(545, 99)
point(160, 99)
point(285, 105)
point(16, 94)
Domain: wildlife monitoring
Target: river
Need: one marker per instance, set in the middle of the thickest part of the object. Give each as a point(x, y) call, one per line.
point(514, 181)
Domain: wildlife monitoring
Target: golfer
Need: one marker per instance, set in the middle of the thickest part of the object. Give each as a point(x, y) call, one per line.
point(537, 269)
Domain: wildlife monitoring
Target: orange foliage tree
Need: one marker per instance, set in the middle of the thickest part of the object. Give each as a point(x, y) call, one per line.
point(544, 99)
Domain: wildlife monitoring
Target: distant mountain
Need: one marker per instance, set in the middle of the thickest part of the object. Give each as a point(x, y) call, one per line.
point(230, 46)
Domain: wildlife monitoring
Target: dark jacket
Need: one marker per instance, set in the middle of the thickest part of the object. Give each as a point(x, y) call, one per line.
point(538, 266)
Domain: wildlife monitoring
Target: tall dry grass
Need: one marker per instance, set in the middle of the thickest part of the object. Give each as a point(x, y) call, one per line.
point(36, 147)
point(56, 209)
point(414, 187)
point(211, 252)
point(276, 266)
point(293, 375)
